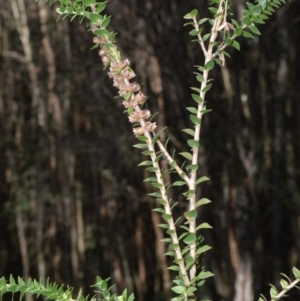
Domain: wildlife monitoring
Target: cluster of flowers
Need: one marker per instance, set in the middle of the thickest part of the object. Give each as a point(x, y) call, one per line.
point(121, 73)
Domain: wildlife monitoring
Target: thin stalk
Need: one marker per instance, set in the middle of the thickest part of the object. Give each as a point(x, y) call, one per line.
point(159, 177)
point(192, 182)
point(167, 208)
point(284, 291)
point(171, 161)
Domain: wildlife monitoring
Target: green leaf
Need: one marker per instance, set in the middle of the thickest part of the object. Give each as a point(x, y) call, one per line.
point(194, 13)
point(296, 272)
point(204, 226)
point(142, 138)
point(13, 288)
point(213, 10)
point(178, 289)
point(206, 111)
point(284, 284)
point(256, 10)
point(258, 20)
point(193, 143)
point(195, 120)
point(209, 65)
point(195, 89)
point(148, 152)
point(89, 2)
point(238, 31)
point(254, 29)
point(103, 285)
point(169, 240)
point(207, 88)
point(190, 290)
point(164, 226)
point(218, 61)
point(155, 194)
point(263, 17)
point(156, 185)
point(271, 9)
point(170, 232)
point(228, 41)
point(174, 268)
point(152, 169)
point(193, 32)
point(188, 16)
point(104, 33)
point(191, 214)
point(2, 282)
point(141, 145)
point(183, 234)
point(203, 249)
point(189, 131)
point(184, 228)
point(202, 179)
point(166, 217)
point(235, 45)
point(246, 21)
point(202, 202)
point(179, 183)
point(199, 78)
point(61, 10)
point(105, 22)
point(235, 23)
point(70, 10)
point(190, 193)
point(250, 6)
point(145, 163)
point(161, 201)
point(205, 37)
point(273, 292)
point(190, 238)
point(20, 281)
point(189, 264)
point(193, 167)
point(188, 23)
point(192, 110)
point(247, 34)
point(202, 21)
point(131, 297)
point(12, 279)
point(95, 18)
point(186, 155)
point(100, 7)
point(23, 288)
point(197, 98)
point(188, 258)
point(205, 274)
point(155, 138)
point(262, 298)
point(160, 210)
point(169, 254)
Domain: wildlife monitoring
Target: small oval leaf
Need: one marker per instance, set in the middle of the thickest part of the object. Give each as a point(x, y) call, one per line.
point(186, 155)
point(202, 202)
point(190, 238)
point(202, 179)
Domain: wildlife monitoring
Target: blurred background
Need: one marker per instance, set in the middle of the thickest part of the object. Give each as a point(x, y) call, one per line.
point(73, 203)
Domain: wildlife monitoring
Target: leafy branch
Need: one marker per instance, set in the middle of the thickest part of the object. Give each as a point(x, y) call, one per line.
point(188, 247)
point(286, 284)
point(52, 291)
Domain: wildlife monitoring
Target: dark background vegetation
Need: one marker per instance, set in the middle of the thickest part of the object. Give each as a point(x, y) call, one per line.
point(73, 204)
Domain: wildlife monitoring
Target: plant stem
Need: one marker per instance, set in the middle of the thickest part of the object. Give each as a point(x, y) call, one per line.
point(166, 204)
point(192, 182)
point(284, 291)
